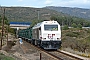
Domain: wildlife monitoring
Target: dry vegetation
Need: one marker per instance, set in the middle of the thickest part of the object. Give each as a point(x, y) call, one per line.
point(76, 40)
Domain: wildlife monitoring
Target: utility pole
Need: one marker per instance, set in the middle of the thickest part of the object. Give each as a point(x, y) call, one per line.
point(38, 14)
point(2, 27)
point(7, 32)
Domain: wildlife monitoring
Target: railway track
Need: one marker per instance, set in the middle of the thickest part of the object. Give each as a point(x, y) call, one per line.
point(69, 55)
point(64, 56)
point(29, 49)
point(56, 55)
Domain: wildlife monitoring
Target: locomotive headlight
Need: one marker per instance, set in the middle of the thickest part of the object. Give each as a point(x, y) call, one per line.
point(58, 38)
point(44, 38)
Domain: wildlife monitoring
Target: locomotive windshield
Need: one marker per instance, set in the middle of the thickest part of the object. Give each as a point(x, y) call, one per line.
point(51, 27)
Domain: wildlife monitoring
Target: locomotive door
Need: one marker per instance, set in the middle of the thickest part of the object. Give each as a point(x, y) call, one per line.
point(40, 33)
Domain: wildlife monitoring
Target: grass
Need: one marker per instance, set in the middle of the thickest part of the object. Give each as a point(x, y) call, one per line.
point(85, 55)
point(3, 57)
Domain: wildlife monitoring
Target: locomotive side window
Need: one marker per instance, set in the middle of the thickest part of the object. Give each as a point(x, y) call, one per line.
point(51, 27)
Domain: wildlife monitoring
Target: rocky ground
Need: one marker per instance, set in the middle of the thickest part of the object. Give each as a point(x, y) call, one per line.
point(15, 50)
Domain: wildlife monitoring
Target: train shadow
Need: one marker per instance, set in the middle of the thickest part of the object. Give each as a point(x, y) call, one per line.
point(51, 50)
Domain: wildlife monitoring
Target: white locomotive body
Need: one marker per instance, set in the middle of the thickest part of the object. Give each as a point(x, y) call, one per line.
point(47, 35)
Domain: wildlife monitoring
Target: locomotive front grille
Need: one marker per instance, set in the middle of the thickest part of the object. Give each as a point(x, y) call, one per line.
point(51, 44)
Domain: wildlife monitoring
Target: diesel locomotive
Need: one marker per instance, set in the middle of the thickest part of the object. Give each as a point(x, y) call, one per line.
point(46, 34)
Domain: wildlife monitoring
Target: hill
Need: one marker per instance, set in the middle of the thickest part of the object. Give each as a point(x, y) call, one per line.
point(28, 13)
point(78, 12)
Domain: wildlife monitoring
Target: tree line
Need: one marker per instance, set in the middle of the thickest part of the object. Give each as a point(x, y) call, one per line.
point(6, 25)
point(71, 21)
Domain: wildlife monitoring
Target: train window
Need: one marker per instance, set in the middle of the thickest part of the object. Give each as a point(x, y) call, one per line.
point(51, 27)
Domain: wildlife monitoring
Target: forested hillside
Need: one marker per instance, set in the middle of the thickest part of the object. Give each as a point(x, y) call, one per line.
point(28, 13)
point(34, 15)
point(78, 12)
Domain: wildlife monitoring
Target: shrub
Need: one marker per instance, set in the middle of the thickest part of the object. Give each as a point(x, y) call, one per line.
point(79, 26)
point(71, 34)
point(74, 25)
point(88, 31)
point(76, 33)
point(65, 27)
point(3, 57)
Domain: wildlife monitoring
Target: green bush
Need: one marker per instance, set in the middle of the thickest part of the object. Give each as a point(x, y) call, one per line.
point(3, 57)
point(65, 27)
point(76, 33)
point(79, 26)
point(88, 31)
point(71, 34)
point(11, 30)
point(74, 25)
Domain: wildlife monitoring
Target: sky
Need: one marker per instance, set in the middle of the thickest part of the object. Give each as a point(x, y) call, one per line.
point(44, 3)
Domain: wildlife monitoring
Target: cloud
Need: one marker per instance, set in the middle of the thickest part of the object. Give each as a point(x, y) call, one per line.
point(48, 2)
point(20, 0)
point(73, 3)
point(43, 3)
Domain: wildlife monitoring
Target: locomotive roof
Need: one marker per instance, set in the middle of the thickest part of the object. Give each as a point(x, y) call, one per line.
point(39, 24)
